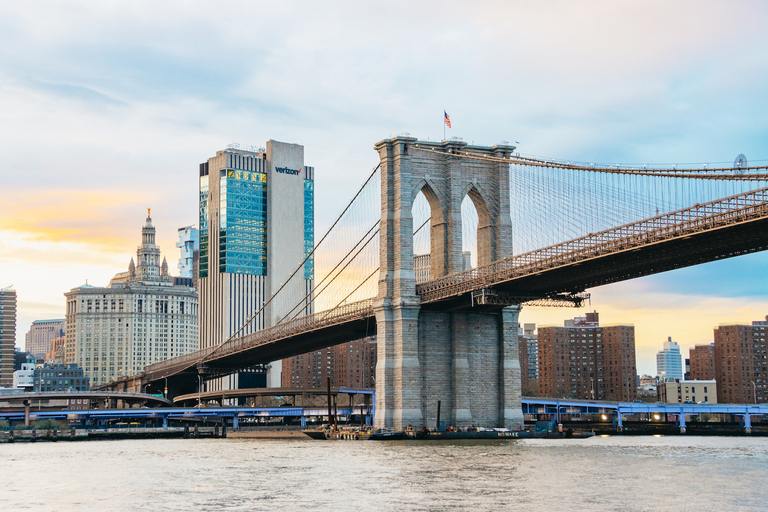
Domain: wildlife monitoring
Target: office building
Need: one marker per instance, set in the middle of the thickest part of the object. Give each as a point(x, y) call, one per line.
point(669, 363)
point(585, 360)
point(256, 228)
point(189, 242)
point(7, 335)
point(674, 391)
point(741, 368)
point(702, 362)
point(41, 334)
point(142, 317)
point(44, 378)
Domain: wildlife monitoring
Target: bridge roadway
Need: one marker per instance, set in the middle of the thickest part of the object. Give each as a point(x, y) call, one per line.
point(286, 395)
point(704, 232)
point(619, 410)
point(556, 407)
point(136, 398)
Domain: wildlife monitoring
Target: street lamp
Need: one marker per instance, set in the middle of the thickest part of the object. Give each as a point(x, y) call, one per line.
point(165, 394)
point(754, 391)
point(199, 387)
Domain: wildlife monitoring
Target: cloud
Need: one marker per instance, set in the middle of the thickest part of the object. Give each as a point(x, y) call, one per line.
point(107, 108)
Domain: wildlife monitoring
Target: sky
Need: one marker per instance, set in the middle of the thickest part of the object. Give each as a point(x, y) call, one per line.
point(107, 108)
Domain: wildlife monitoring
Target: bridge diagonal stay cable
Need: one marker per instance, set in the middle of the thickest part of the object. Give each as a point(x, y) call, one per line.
point(311, 253)
point(352, 292)
point(302, 302)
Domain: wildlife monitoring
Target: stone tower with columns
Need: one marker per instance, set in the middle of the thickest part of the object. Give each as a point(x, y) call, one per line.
point(467, 359)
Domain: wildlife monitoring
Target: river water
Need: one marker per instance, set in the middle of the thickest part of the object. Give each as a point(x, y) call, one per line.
point(602, 473)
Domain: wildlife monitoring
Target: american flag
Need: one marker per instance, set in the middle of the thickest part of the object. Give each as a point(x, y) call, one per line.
point(447, 119)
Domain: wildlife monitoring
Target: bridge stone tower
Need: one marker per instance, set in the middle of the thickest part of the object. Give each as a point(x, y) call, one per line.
point(467, 358)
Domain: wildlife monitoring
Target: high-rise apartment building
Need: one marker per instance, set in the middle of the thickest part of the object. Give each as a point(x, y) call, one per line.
point(351, 365)
point(741, 367)
point(585, 360)
point(142, 317)
point(669, 363)
point(41, 334)
point(256, 228)
point(7, 335)
point(189, 242)
point(702, 358)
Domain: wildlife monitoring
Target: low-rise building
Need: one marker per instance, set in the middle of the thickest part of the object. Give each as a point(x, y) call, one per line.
point(25, 377)
point(673, 391)
point(59, 378)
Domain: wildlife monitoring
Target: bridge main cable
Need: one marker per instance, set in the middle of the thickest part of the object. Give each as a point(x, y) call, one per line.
point(701, 174)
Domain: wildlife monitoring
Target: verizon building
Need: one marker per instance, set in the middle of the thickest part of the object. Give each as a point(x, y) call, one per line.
point(256, 228)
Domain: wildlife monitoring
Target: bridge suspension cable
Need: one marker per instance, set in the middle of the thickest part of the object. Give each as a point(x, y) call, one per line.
point(715, 173)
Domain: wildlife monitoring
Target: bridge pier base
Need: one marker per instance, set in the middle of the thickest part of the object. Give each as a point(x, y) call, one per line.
point(467, 361)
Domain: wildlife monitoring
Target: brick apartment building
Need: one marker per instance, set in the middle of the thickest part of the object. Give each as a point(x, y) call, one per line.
point(351, 365)
point(585, 360)
point(741, 368)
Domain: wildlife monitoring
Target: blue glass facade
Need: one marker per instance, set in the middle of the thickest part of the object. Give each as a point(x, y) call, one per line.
point(309, 227)
point(204, 236)
point(242, 222)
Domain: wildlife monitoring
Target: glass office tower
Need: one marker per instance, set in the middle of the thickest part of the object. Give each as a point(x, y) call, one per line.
point(251, 241)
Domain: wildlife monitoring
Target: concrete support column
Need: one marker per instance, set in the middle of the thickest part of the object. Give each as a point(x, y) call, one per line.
point(681, 422)
point(26, 412)
point(510, 406)
point(747, 424)
point(462, 413)
point(165, 420)
point(236, 422)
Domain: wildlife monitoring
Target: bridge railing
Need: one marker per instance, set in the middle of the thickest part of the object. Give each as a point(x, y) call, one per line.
point(697, 218)
point(341, 314)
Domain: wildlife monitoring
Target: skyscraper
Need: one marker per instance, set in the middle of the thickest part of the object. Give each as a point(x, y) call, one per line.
point(585, 360)
point(41, 334)
point(189, 241)
point(7, 335)
point(142, 317)
point(669, 364)
point(256, 228)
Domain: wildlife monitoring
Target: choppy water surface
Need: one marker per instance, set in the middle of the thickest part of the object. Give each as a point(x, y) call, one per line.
point(602, 473)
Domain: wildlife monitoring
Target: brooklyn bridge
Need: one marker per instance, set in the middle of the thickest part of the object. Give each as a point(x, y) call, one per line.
point(543, 233)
